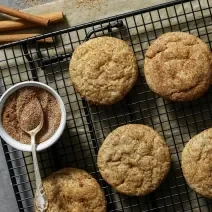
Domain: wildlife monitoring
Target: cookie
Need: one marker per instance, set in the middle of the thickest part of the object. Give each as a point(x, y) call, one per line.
point(197, 163)
point(103, 70)
point(134, 159)
point(71, 190)
point(178, 66)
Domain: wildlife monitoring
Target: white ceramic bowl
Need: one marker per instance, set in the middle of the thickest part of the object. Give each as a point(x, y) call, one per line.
point(27, 147)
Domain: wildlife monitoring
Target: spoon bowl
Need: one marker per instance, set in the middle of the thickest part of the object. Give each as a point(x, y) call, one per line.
point(31, 119)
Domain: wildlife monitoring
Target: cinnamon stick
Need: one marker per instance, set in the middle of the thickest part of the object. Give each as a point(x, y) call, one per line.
point(16, 37)
point(21, 24)
point(25, 16)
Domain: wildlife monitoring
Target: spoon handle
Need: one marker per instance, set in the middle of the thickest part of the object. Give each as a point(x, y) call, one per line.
point(40, 196)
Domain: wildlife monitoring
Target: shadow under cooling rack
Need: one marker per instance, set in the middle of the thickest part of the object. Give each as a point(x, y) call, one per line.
point(87, 126)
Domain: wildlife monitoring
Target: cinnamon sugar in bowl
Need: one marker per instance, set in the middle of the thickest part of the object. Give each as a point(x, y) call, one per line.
point(12, 103)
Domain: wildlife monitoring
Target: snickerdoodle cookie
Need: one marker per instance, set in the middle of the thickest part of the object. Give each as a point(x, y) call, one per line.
point(178, 66)
point(134, 159)
point(103, 70)
point(70, 190)
point(197, 163)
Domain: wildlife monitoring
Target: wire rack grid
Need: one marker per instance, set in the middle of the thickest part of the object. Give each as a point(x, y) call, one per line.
point(87, 126)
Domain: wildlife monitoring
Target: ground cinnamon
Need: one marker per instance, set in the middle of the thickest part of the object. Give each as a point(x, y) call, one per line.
point(13, 109)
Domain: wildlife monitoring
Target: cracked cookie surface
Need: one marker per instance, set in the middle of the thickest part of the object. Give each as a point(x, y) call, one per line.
point(134, 159)
point(197, 163)
point(178, 66)
point(103, 70)
point(73, 190)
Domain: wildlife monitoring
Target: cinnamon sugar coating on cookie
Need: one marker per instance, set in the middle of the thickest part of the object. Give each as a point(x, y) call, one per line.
point(178, 66)
point(103, 70)
point(197, 163)
point(134, 159)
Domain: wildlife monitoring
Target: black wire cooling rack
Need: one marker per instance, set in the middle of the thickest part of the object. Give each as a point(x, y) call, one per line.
point(87, 126)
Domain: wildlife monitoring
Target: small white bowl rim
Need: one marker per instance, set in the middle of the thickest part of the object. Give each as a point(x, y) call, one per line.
point(27, 147)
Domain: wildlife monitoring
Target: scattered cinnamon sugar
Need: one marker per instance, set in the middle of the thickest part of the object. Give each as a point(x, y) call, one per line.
point(87, 3)
point(30, 3)
point(13, 109)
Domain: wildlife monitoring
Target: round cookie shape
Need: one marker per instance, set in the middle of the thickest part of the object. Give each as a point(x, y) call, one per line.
point(103, 70)
point(178, 66)
point(134, 159)
point(70, 190)
point(197, 163)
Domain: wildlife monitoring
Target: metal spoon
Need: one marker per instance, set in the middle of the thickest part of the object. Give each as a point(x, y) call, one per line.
point(31, 121)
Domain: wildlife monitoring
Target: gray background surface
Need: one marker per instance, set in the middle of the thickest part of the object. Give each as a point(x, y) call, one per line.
point(22, 4)
point(7, 197)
